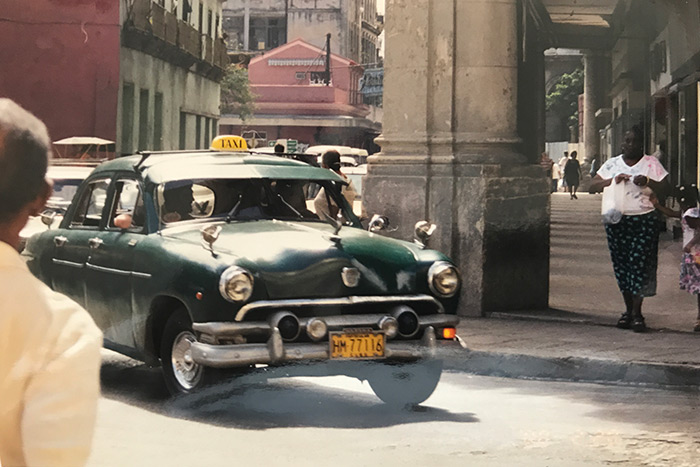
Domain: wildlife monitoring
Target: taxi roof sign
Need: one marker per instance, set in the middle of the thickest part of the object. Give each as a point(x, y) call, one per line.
point(229, 143)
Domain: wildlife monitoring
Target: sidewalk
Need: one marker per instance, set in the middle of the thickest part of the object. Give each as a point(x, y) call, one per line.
point(576, 339)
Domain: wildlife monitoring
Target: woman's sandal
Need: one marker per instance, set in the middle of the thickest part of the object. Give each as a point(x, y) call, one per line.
point(625, 321)
point(638, 325)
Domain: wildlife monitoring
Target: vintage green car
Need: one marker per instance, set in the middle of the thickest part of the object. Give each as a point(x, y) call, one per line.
point(212, 260)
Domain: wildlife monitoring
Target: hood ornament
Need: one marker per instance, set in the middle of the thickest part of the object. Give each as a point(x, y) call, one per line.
point(423, 231)
point(210, 234)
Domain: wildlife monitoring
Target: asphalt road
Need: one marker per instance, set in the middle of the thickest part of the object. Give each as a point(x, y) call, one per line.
point(337, 421)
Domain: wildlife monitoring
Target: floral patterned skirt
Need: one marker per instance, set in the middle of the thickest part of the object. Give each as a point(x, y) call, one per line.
point(634, 245)
point(690, 274)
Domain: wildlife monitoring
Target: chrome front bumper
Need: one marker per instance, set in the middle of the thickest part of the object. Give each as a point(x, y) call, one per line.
point(275, 350)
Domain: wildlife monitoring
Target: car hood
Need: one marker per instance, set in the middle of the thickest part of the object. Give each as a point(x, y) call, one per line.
point(302, 259)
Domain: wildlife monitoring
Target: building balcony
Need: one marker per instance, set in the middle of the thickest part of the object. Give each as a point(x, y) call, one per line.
point(153, 30)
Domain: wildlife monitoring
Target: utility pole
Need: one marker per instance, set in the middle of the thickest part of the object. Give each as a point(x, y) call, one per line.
point(246, 26)
point(328, 59)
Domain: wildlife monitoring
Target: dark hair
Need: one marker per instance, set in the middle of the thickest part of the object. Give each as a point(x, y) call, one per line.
point(638, 132)
point(332, 159)
point(573, 154)
point(279, 148)
point(24, 151)
point(686, 194)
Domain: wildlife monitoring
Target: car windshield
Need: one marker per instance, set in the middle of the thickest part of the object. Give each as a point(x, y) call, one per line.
point(63, 192)
point(251, 199)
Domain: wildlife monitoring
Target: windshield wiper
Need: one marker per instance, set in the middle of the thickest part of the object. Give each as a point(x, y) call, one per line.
point(232, 213)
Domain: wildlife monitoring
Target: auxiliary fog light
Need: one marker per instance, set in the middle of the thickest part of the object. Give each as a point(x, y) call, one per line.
point(288, 325)
point(316, 329)
point(407, 320)
point(390, 326)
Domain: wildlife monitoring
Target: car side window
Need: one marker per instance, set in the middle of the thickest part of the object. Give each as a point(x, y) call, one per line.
point(127, 212)
point(91, 204)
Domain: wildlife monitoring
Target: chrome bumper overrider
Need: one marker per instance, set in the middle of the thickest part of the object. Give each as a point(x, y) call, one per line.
point(278, 351)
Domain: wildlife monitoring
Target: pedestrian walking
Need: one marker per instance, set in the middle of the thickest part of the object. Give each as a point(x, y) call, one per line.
point(633, 240)
point(547, 165)
point(49, 346)
point(687, 197)
point(595, 165)
point(556, 175)
point(572, 174)
point(562, 163)
point(323, 204)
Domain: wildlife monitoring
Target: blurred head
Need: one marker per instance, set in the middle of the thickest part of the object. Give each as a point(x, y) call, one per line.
point(279, 149)
point(574, 154)
point(686, 195)
point(24, 152)
point(633, 145)
point(545, 156)
point(331, 160)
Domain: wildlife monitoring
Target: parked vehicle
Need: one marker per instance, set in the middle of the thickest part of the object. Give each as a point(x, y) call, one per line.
point(215, 260)
point(66, 177)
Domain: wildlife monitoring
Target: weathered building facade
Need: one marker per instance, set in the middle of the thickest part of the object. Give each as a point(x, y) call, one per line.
point(261, 25)
point(141, 73)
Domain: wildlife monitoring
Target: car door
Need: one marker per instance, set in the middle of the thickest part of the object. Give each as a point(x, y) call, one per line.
point(72, 242)
point(109, 283)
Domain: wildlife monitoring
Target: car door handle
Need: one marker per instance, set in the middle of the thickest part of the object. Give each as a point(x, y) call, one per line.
point(60, 240)
point(95, 243)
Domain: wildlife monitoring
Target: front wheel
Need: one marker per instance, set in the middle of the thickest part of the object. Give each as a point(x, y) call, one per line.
point(182, 375)
point(401, 385)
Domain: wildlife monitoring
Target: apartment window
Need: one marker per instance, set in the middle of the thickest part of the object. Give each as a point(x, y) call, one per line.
point(201, 16)
point(318, 78)
point(198, 133)
point(267, 33)
point(300, 75)
point(127, 118)
point(143, 119)
point(183, 130)
point(158, 122)
point(210, 22)
point(186, 10)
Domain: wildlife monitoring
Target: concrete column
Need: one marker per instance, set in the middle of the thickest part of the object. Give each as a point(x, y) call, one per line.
point(450, 148)
point(596, 78)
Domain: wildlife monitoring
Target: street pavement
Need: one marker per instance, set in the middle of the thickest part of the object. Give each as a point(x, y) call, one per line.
point(576, 338)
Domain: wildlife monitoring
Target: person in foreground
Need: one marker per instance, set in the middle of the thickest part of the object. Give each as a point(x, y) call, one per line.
point(49, 346)
point(633, 241)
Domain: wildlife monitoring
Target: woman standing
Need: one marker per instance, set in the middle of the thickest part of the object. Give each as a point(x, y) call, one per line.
point(572, 174)
point(633, 242)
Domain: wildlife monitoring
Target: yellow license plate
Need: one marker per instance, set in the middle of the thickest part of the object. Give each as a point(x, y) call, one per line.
point(357, 345)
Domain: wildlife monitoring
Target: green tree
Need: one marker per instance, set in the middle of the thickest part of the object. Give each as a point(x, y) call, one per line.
point(563, 99)
point(236, 96)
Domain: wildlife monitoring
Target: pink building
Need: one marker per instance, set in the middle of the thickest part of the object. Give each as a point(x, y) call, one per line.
point(295, 101)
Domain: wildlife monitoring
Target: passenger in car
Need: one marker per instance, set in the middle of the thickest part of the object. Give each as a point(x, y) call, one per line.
point(323, 203)
point(177, 204)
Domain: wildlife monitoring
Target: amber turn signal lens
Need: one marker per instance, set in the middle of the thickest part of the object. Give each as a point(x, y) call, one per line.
point(449, 333)
point(198, 295)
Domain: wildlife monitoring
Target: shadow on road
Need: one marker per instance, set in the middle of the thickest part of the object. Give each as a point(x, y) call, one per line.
point(263, 399)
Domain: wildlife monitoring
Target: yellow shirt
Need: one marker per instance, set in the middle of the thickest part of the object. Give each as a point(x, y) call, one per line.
point(49, 371)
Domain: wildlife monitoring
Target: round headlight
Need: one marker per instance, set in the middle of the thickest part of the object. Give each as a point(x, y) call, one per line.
point(443, 279)
point(236, 284)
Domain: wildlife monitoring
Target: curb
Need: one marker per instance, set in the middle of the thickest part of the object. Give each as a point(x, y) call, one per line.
point(577, 369)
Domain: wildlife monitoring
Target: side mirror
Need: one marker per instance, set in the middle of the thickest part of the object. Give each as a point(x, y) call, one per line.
point(423, 231)
point(47, 217)
point(379, 223)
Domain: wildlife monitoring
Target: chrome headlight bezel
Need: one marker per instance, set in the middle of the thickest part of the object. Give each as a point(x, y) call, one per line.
point(228, 277)
point(436, 272)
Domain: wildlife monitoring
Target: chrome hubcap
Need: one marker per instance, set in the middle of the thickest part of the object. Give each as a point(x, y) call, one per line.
point(187, 373)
